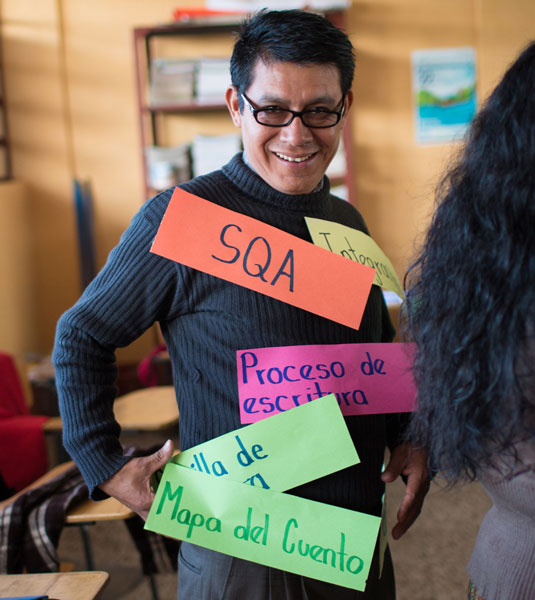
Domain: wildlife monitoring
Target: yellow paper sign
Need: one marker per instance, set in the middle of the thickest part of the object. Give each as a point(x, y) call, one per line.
point(358, 247)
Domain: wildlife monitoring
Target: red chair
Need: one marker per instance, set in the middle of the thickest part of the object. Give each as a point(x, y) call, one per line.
point(23, 452)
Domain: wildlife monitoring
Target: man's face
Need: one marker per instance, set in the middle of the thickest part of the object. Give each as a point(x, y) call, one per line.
point(291, 159)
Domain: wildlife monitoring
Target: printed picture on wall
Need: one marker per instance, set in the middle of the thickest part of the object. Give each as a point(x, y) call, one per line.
point(444, 92)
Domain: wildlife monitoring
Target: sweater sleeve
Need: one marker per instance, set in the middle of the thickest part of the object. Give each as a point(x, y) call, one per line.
point(134, 289)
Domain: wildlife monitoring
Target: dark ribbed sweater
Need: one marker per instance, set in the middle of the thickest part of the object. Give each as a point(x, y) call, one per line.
point(205, 320)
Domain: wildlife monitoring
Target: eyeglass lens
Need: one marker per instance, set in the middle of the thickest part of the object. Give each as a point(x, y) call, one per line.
point(280, 117)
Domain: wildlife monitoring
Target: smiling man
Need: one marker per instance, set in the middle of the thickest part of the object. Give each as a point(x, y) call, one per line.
point(301, 111)
point(291, 92)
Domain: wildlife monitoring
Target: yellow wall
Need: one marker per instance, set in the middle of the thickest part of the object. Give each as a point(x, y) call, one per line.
point(71, 103)
point(69, 78)
point(395, 177)
point(17, 315)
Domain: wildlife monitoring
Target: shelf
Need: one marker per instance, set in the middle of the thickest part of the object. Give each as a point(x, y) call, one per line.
point(186, 108)
point(197, 27)
point(146, 46)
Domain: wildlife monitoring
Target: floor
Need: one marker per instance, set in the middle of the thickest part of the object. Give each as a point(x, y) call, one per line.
point(429, 560)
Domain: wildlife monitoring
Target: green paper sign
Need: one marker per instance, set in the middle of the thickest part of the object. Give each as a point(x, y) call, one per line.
point(271, 528)
point(280, 452)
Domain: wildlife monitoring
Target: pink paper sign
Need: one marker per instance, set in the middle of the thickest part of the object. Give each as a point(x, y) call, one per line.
point(245, 251)
point(367, 379)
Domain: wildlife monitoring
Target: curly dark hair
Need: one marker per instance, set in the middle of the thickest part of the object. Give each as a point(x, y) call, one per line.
point(471, 290)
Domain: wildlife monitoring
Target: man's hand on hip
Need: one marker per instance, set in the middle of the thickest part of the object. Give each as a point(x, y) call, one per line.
point(131, 485)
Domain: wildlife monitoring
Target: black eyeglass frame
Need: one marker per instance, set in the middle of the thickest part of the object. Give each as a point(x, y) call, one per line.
point(296, 113)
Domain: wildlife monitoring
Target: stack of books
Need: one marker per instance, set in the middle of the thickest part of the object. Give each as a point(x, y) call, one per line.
point(212, 80)
point(172, 81)
point(209, 153)
point(167, 166)
point(175, 81)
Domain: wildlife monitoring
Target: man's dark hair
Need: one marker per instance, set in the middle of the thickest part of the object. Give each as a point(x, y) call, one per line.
point(290, 36)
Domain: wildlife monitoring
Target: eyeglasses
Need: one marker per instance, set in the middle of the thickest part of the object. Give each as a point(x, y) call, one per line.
point(274, 116)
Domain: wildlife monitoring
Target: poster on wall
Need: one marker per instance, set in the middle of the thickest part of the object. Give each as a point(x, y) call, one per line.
point(444, 92)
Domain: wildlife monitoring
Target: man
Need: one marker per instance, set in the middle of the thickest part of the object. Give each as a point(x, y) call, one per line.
point(290, 95)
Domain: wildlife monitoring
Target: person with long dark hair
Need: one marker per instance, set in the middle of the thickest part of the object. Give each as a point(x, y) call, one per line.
point(471, 312)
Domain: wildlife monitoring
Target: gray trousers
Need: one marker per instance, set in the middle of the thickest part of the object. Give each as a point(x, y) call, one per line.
point(207, 575)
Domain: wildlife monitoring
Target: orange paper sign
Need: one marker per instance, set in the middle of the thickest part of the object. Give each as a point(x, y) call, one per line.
point(245, 251)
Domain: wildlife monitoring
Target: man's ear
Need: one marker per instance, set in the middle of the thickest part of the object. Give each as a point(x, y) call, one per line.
point(233, 104)
point(349, 101)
